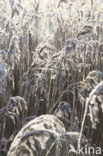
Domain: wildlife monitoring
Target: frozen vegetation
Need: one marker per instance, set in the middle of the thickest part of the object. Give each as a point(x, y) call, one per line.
point(51, 77)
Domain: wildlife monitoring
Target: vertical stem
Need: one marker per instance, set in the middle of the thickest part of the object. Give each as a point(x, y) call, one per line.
point(83, 122)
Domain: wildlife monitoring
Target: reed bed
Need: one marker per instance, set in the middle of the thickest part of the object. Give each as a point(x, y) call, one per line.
point(51, 70)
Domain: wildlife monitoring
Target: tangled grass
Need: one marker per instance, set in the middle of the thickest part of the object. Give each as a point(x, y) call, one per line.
point(11, 120)
point(51, 76)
